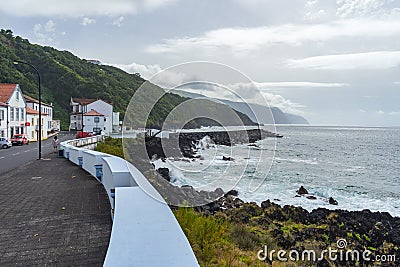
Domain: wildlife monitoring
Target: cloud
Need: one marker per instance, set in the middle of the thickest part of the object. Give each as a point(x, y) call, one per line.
point(87, 21)
point(369, 60)
point(118, 22)
point(352, 8)
point(69, 8)
point(391, 113)
point(145, 71)
point(285, 105)
point(244, 92)
point(250, 93)
point(313, 12)
point(250, 39)
point(49, 26)
point(45, 34)
point(274, 85)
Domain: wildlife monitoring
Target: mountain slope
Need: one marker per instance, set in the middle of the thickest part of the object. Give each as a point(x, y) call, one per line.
point(257, 113)
point(64, 75)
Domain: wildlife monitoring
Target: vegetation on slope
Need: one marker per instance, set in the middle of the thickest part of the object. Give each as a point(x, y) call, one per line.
point(64, 75)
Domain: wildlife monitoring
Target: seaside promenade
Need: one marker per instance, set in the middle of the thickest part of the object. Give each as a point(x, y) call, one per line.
point(52, 213)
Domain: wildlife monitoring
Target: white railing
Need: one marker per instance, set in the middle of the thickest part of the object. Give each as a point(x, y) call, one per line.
point(145, 232)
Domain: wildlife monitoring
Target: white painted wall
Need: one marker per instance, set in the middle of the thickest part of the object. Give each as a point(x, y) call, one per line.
point(32, 130)
point(105, 109)
point(89, 124)
point(3, 121)
point(91, 159)
point(115, 123)
point(47, 119)
point(145, 232)
point(17, 102)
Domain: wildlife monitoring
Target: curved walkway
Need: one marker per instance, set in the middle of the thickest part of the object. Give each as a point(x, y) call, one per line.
point(53, 213)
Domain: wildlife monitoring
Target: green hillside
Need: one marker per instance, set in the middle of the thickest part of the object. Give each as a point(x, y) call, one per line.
point(64, 75)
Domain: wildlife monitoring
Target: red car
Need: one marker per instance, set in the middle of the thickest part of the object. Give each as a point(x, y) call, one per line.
point(19, 139)
point(81, 134)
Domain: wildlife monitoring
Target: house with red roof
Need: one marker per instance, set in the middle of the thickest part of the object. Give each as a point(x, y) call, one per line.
point(32, 122)
point(12, 110)
point(93, 115)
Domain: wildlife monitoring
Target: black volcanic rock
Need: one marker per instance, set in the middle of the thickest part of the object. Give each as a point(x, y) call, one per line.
point(164, 172)
point(332, 201)
point(302, 191)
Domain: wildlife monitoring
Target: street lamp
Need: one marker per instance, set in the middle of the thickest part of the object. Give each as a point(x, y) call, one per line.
point(16, 62)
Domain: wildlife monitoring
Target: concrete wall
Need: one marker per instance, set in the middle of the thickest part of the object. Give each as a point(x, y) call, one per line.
point(145, 231)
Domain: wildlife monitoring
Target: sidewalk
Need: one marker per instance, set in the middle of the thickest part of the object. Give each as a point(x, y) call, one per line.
point(52, 213)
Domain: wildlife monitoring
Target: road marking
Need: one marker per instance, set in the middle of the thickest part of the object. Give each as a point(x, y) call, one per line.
point(2, 157)
point(36, 178)
point(15, 154)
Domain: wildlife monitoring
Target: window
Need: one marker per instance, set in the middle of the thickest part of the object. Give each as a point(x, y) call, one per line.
point(17, 114)
point(22, 114)
point(2, 115)
point(33, 121)
point(11, 114)
point(17, 96)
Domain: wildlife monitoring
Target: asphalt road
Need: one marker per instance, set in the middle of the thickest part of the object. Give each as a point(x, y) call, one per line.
point(17, 155)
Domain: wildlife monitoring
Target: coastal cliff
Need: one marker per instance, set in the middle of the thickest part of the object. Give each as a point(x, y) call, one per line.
point(229, 231)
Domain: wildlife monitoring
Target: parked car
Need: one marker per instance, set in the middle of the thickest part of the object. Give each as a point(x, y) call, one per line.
point(5, 143)
point(19, 139)
point(81, 134)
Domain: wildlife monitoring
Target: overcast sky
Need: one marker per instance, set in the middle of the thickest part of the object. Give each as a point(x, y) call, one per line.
point(335, 62)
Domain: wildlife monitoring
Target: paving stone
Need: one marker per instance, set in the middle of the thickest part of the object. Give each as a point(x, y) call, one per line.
point(55, 220)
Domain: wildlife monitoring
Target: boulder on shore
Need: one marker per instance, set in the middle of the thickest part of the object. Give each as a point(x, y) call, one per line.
point(164, 172)
point(227, 158)
point(302, 191)
point(332, 201)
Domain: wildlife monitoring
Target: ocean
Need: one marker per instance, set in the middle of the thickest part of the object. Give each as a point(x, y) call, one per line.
point(358, 167)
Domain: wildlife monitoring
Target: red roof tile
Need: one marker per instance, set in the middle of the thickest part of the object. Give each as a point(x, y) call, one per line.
point(32, 111)
point(6, 91)
point(87, 101)
point(93, 113)
point(83, 101)
point(34, 100)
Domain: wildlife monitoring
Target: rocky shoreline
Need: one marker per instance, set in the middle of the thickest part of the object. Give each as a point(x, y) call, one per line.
point(294, 227)
point(287, 227)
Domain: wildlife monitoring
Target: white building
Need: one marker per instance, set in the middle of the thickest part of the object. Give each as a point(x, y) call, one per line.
point(94, 122)
point(80, 106)
point(32, 128)
point(32, 105)
point(3, 119)
point(15, 117)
